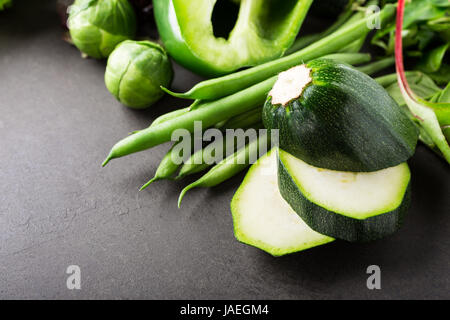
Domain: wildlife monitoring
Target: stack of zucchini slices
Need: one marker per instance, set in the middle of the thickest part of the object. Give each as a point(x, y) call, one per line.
point(340, 171)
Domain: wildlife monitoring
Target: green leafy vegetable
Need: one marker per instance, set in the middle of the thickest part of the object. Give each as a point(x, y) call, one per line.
point(417, 33)
point(419, 82)
point(433, 118)
point(230, 166)
point(433, 59)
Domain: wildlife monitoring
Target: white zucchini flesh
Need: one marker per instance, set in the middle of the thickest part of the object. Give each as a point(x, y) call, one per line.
point(262, 218)
point(358, 195)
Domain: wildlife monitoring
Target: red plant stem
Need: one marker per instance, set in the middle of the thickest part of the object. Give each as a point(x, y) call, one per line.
point(403, 82)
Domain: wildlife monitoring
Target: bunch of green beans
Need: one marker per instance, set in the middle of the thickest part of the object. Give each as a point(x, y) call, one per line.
point(167, 168)
point(229, 167)
point(197, 162)
point(243, 120)
point(209, 113)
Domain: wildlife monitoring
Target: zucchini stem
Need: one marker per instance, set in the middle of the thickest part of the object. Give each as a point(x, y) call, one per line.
point(290, 84)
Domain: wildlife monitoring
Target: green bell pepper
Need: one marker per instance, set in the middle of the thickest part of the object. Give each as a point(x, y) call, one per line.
point(264, 30)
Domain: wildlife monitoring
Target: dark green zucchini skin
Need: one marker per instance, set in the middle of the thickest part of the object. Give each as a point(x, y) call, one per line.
point(343, 121)
point(336, 225)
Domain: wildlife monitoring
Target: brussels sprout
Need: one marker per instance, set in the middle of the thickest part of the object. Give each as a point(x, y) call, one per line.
point(97, 26)
point(5, 4)
point(135, 72)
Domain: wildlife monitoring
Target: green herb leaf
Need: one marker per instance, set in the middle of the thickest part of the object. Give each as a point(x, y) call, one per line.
point(432, 60)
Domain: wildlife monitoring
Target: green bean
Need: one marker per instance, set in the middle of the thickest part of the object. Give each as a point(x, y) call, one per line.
point(243, 120)
point(221, 124)
point(191, 168)
point(347, 17)
point(176, 113)
point(195, 105)
point(209, 114)
point(173, 114)
point(377, 66)
point(357, 44)
point(165, 117)
point(389, 79)
point(350, 58)
point(226, 85)
point(166, 169)
point(197, 162)
point(169, 116)
point(354, 46)
point(305, 41)
point(227, 168)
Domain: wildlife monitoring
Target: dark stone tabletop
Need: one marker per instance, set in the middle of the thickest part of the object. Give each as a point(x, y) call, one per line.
point(58, 207)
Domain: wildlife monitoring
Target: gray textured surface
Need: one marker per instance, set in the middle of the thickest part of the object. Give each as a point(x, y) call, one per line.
point(58, 207)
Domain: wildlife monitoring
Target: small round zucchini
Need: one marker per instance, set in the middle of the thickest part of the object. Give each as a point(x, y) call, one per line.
point(136, 71)
point(335, 117)
point(263, 219)
point(353, 206)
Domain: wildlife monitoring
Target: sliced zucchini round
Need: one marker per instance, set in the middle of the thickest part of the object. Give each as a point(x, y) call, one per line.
point(333, 116)
point(263, 219)
point(353, 206)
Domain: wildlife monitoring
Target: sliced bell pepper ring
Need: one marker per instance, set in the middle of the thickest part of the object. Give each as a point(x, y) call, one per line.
point(264, 30)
